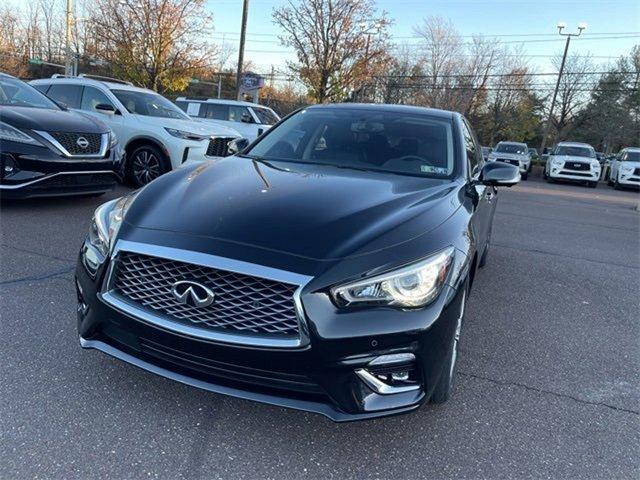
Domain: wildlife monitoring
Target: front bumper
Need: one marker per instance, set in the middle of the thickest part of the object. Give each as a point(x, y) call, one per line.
point(33, 171)
point(631, 178)
point(562, 173)
point(319, 376)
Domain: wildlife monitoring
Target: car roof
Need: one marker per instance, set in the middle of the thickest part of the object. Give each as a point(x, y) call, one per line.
point(6, 75)
point(631, 149)
point(90, 81)
point(513, 143)
point(385, 107)
point(575, 144)
point(219, 101)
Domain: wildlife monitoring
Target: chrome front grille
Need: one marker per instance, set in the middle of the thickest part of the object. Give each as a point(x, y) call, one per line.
point(79, 143)
point(244, 304)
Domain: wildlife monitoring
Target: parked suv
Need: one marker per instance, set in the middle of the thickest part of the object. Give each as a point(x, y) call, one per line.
point(326, 267)
point(48, 151)
point(156, 135)
point(625, 168)
point(250, 119)
point(514, 153)
point(574, 162)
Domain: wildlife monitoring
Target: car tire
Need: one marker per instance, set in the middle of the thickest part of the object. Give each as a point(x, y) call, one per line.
point(525, 175)
point(145, 164)
point(616, 184)
point(544, 174)
point(610, 182)
point(446, 383)
point(593, 184)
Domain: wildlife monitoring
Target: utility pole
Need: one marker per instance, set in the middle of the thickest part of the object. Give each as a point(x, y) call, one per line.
point(68, 63)
point(243, 32)
point(547, 127)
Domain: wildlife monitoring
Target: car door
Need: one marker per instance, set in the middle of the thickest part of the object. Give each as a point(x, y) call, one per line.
point(91, 97)
point(485, 199)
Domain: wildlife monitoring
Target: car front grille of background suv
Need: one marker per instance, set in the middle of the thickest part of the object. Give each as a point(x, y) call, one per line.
point(70, 142)
point(242, 304)
point(219, 147)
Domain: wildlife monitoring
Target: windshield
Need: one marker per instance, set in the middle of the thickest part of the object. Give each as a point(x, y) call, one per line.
point(15, 93)
point(265, 116)
point(632, 156)
point(149, 104)
point(511, 148)
point(575, 151)
point(414, 144)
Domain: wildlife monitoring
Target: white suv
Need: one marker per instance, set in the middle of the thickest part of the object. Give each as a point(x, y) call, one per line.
point(157, 136)
point(574, 162)
point(515, 153)
point(250, 119)
point(625, 168)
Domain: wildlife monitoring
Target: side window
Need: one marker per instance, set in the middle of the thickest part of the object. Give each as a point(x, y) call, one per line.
point(69, 95)
point(41, 88)
point(217, 111)
point(236, 113)
point(92, 97)
point(474, 154)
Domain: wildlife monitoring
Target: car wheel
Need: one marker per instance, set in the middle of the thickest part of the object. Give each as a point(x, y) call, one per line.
point(593, 184)
point(145, 164)
point(616, 184)
point(610, 182)
point(544, 174)
point(444, 387)
point(525, 175)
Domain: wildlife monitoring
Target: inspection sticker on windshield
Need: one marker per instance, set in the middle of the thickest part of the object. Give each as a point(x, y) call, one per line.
point(432, 169)
point(193, 109)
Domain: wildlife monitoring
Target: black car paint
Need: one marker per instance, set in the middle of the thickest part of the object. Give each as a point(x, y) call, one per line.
point(333, 225)
point(35, 167)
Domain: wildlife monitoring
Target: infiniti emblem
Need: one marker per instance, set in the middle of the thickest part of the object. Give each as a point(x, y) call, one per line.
point(193, 294)
point(82, 142)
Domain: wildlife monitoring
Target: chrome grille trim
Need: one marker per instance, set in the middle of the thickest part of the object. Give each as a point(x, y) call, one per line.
point(104, 145)
point(113, 299)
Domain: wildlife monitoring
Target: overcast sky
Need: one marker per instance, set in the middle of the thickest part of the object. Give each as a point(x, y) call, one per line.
point(513, 20)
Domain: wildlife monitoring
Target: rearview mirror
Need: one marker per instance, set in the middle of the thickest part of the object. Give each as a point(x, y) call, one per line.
point(498, 174)
point(105, 108)
point(237, 145)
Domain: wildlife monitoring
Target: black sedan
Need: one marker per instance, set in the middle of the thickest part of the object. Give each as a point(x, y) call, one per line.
point(46, 150)
point(325, 267)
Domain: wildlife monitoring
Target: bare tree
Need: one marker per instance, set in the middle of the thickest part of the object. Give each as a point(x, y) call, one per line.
point(338, 44)
point(159, 44)
point(574, 89)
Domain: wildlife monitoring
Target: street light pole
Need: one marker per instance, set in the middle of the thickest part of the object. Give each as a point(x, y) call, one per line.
point(243, 31)
point(547, 127)
point(68, 64)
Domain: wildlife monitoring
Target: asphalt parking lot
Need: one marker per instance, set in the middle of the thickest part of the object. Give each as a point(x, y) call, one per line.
point(548, 385)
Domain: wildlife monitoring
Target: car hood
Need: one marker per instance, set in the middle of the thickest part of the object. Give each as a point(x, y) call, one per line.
point(571, 158)
point(628, 163)
point(511, 156)
point(51, 120)
point(191, 126)
point(312, 211)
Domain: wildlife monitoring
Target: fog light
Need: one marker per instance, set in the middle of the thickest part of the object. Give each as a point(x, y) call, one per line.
point(400, 376)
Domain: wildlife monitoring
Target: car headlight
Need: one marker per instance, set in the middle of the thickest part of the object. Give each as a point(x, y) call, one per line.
point(113, 140)
point(412, 286)
point(186, 135)
point(557, 162)
point(12, 134)
point(626, 168)
point(106, 222)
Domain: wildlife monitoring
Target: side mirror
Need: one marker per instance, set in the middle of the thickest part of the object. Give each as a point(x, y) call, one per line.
point(105, 108)
point(246, 118)
point(237, 145)
point(498, 174)
point(62, 105)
